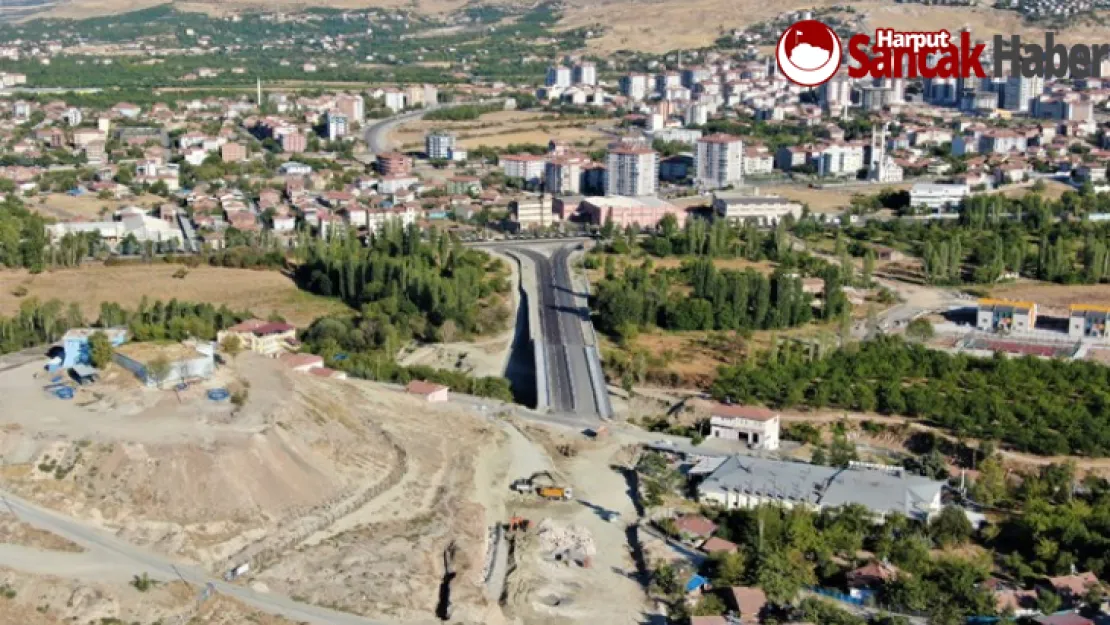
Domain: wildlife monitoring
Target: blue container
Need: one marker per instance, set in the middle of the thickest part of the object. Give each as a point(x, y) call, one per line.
point(218, 394)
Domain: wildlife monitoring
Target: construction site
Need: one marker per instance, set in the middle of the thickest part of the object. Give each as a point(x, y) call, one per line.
point(337, 497)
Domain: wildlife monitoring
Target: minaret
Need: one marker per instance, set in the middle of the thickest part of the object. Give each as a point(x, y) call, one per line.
point(259, 101)
point(878, 153)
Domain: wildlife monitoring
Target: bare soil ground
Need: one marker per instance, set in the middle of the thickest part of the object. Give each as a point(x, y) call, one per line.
point(43, 600)
point(503, 128)
point(1053, 190)
point(66, 207)
point(261, 292)
point(830, 199)
point(312, 481)
point(1058, 296)
point(15, 532)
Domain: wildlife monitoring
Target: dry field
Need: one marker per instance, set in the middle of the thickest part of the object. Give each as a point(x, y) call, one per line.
point(1053, 190)
point(502, 128)
point(828, 200)
point(64, 207)
point(262, 292)
point(1058, 296)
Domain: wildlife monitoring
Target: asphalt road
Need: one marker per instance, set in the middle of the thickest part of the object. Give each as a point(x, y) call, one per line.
point(126, 559)
point(377, 134)
point(561, 317)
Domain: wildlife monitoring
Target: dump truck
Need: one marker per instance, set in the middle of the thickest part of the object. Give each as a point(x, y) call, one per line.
point(555, 492)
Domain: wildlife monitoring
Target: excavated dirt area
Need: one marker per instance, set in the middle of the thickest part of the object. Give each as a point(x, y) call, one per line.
point(343, 494)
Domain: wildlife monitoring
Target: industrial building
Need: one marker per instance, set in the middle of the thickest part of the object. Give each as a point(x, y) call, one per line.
point(746, 482)
point(75, 344)
point(179, 362)
point(645, 212)
point(1000, 315)
point(1086, 321)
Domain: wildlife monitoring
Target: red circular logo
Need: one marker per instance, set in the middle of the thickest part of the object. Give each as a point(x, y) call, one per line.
point(808, 53)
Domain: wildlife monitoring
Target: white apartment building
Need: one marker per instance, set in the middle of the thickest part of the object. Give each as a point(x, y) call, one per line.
point(632, 170)
point(533, 211)
point(337, 125)
point(765, 210)
point(377, 219)
point(530, 167)
point(558, 76)
point(696, 115)
point(73, 116)
point(439, 144)
point(937, 197)
point(841, 160)
point(758, 427)
point(719, 161)
point(585, 74)
point(394, 100)
point(635, 86)
point(758, 161)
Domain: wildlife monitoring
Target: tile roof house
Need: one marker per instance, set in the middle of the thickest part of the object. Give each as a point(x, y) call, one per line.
point(429, 391)
point(872, 574)
point(715, 545)
point(748, 602)
point(695, 526)
point(1072, 588)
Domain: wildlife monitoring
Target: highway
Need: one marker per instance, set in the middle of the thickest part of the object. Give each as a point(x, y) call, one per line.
point(561, 317)
point(377, 134)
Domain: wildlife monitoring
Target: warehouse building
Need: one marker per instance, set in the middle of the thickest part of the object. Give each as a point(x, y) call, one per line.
point(1000, 315)
point(164, 365)
point(75, 344)
point(747, 482)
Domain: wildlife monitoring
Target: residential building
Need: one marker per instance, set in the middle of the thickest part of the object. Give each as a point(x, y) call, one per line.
point(938, 197)
point(261, 337)
point(642, 211)
point(585, 74)
point(233, 152)
point(532, 211)
point(294, 142)
point(461, 185)
point(73, 116)
point(558, 76)
point(133, 222)
point(632, 170)
point(394, 100)
point(428, 391)
point(695, 528)
point(634, 86)
point(748, 481)
point(764, 210)
point(748, 602)
point(301, 363)
point(353, 106)
point(840, 159)
point(719, 161)
point(528, 167)
point(758, 161)
point(393, 163)
point(337, 125)
point(439, 144)
point(755, 426)
point(94, 152)
point(1018, 92)
point(999, 315)
point(563, 175)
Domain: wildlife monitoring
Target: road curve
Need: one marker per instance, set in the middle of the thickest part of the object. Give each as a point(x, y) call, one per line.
point(121, 555)
point(376, 135)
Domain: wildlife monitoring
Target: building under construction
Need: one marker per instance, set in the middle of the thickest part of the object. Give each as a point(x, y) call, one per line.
point(1085, 321)
point(1001, 315)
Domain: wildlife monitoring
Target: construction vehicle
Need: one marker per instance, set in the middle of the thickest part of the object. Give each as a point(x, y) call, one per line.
point(555, 492)
point(518, 523)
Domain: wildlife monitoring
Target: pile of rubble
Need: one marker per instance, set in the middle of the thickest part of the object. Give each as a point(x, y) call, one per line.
point(561, 541)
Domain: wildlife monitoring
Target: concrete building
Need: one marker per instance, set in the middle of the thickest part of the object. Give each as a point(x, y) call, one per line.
point(632, 170)
point(1018, 92)
point(353, 106)
point(643, 211)
point(758, 427)
point(937, 197)
point(562, 175)
point(233, 152)
point(999, 315)
point(585, 74)
point(132, 221)
point(1086, 321)
point(764, 210)
point(747, 482)
point(719, 161)
point(261, 337)
point(294, 142)
point(533, 211)
point(439, 144)
point(73, 116)
point(428, 391)
point(187, 362)
point(634, 86)
point(337, 125)
point(558, 76)
point(528, 167)
point(393, 163)
point(842, 160)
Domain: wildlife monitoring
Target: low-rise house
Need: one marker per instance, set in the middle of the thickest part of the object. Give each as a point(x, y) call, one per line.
point(695, 528)
point(756, 426)
point(999, 315)
point(427, 390)
point(161, 365)
point(301, 363)
point(718, 545)
point(1072, 589)
point(747, 601)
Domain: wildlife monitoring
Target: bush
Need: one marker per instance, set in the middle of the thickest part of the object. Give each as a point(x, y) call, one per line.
point(143, 582)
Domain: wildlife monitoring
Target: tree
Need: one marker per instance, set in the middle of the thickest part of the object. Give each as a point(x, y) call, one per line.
point(782, 574)
point(100, 349)
point(709, 605)
point(231, 345)
point(920, 329)
point(1048, 602)
point(951, 527)
point(725, 569)
point(158, 369)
